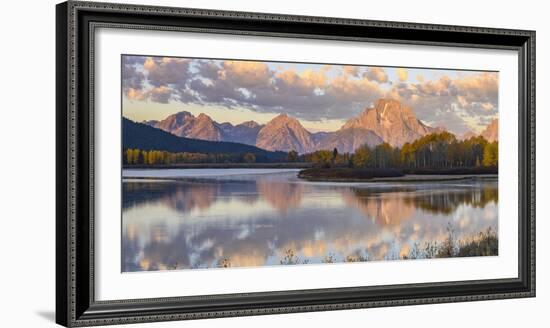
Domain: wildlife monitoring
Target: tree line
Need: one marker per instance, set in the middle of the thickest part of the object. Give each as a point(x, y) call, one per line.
point(437, 150)
point(160, 157)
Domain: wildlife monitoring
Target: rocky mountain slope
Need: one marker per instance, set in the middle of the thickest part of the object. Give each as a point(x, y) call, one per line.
point(490, 133)
point(395, 123)
point(285, 133)
point(246, 132)
point(185, 124)
point(347, 140)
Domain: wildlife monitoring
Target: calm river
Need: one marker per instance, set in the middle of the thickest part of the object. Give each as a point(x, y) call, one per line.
point(206, 218)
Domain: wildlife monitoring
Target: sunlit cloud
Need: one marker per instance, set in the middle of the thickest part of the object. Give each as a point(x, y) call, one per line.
point(402, 74)
point(452, 102)
point(350, 70)
point(377, 74)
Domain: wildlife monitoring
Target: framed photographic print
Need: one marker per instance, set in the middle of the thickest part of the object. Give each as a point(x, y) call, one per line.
point(214, 163)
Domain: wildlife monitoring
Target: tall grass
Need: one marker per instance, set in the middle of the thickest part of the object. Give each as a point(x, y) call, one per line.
point(290, 258)
point(484, 243)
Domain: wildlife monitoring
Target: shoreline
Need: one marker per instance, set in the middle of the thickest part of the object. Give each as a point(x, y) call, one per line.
point(409, 178)
point(397, 175)
point(193, 173)
point(290, 165)
point(200, 173)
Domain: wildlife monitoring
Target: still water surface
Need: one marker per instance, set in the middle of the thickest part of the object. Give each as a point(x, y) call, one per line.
point(254, 217)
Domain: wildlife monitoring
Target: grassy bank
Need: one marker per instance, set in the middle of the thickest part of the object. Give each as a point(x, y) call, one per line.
point(346, 174)
point(358, 175)
point(485, 243)
point(454, 171)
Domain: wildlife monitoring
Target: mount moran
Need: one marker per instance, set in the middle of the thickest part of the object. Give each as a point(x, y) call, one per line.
point(388, 121)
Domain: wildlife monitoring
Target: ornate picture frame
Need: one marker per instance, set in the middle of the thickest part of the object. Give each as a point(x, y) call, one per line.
point(77, 23)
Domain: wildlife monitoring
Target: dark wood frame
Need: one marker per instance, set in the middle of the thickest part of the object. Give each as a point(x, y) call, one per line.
point(76, 23)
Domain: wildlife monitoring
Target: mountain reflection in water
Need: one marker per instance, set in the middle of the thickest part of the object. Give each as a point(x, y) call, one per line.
point(255, 220)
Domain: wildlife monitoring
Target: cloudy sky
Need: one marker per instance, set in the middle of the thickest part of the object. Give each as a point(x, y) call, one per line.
point(321, 96)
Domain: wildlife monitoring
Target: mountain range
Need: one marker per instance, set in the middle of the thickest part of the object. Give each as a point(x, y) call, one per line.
point(185, 124)
point(145, 137)
point(388, 121)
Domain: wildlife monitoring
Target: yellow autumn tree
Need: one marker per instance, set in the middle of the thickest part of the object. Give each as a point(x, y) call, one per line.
point(361, 157)
point(490, 154)
point(129, 156)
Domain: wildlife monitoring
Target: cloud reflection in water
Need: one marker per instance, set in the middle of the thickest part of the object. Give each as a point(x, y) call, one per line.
point(253, 221)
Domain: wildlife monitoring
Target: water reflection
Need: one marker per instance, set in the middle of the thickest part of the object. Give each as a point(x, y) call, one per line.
point(255, 220)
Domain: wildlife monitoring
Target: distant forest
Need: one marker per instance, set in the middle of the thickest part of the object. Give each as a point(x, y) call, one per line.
point(437, 150)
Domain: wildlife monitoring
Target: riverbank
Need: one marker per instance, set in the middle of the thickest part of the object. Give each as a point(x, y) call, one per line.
point(395, 175)
point(290, 165)
point(197, 173)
